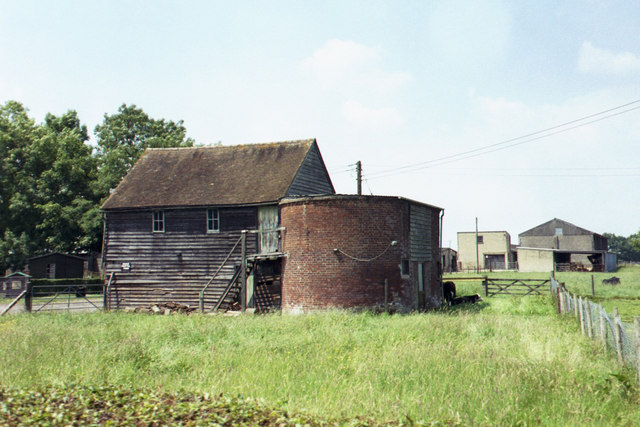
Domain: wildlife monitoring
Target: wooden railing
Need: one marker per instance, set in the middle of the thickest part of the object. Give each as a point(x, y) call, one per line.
point(242, 240)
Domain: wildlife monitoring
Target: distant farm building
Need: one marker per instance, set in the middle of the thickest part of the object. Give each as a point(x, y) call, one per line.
point(449, 260)
point(198, 225)
point(12, 285)
point(56, 266)
point(485, 250)
point(561, 246)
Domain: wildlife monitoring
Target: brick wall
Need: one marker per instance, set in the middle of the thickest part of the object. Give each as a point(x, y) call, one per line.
point(317, 277)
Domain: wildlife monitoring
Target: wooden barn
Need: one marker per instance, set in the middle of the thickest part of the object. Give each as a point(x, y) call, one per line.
point(174, 225)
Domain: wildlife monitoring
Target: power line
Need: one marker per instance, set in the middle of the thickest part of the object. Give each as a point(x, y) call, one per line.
point(530, 137)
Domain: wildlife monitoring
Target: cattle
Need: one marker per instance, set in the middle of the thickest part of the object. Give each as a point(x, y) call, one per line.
point(611, 281)
point(466, 299)
point(449, 291)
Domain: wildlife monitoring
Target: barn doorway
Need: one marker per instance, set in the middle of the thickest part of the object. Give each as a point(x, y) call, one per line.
point(266, 289)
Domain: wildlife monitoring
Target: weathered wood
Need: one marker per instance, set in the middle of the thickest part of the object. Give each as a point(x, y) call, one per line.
point(312, 177)
point(603, 330)
point(588, 318)
point(581, 312)
point(181, 260)
point(13, 303)
point(617, 334)
point(28, 297)
point(243, 274)
point(420, 225)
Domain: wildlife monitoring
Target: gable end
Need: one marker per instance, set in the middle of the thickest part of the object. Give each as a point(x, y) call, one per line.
point(312, 177)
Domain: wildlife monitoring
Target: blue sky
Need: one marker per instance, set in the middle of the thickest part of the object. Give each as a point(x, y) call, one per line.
point(389, 83)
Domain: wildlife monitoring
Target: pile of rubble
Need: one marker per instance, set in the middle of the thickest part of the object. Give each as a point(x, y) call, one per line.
point(166, 308)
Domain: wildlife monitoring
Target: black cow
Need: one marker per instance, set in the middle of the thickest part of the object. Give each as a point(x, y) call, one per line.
point(466, 299)
point(449, 290)
point(611, 281)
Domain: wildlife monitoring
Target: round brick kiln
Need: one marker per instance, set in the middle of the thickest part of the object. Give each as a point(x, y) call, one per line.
point(341, 249)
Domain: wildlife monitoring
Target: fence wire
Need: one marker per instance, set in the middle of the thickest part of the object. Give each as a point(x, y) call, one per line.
point(599, 325)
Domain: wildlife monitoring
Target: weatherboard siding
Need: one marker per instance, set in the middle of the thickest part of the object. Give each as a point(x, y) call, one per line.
point(312, 177)
point(174, 265)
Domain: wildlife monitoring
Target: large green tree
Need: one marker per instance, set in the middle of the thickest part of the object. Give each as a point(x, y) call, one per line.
point(47, 185)
point(52, 182)
point(17, 133)
point(123, 137)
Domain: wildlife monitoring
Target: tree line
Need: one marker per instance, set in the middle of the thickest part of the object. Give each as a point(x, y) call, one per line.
point(627, 248)
point(53, 180)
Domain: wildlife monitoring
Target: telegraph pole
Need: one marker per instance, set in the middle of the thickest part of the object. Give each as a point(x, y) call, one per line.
point(359, 176)
point(477, 253)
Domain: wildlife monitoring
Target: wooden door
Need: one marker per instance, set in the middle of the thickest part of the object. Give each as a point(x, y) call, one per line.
point(268, 220)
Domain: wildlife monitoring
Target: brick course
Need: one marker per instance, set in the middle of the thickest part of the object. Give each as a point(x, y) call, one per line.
point(315, 276)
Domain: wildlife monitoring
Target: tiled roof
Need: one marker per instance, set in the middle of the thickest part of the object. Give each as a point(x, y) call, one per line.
point(213, 175)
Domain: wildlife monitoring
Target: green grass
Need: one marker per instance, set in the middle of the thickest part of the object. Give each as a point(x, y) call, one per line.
point(625, 296)
point(496, 363)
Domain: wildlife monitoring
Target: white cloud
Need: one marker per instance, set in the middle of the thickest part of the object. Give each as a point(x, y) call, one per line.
point(347, 62)
point(595, 60)
point(371, 118)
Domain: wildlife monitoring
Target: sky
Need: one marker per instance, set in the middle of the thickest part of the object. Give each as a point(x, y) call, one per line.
point(505, 111)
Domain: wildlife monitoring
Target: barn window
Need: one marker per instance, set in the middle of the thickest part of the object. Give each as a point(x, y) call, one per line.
point(50, 271)
point(213, 220)
point(480, 240)
point(559, 231)
point(158, 221)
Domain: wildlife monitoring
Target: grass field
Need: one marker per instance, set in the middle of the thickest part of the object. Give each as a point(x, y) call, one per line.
point(506, 362)
point(625, 296)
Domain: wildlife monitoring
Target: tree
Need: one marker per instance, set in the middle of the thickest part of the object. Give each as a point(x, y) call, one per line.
point(17, 132)
point(47, 175)
point(123, 137)
point(627, 248)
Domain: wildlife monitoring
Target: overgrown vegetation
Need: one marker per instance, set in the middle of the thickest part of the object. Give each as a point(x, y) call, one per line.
point(497, 363)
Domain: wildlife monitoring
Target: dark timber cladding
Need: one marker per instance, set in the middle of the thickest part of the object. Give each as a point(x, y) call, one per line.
point(420, 232)
point(178, 213)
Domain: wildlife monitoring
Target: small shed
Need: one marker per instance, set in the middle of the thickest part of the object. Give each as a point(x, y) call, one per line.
point(12, 285)
point(56, 266)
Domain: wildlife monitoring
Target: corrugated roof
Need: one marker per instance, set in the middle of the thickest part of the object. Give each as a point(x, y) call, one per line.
point(214, 175)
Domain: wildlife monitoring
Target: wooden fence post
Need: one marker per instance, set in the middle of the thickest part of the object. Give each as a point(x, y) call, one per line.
point(617, 335)
point(575, 306)
point(560, 301)
point(28, 297)
point(485, 284)
point(593, 287)
point(581, 311)
point(636, 327)
point(588, 319)
point(243, 273)
point(603, 330)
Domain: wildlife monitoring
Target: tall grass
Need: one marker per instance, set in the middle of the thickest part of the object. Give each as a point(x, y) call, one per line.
point(500, 365)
